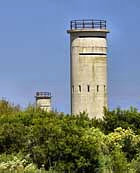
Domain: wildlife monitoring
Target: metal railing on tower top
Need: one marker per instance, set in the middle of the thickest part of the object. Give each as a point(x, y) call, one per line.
point(88, 24)
point(43, 94)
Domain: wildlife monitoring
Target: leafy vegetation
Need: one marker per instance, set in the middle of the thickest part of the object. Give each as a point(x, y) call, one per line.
point(33, 140)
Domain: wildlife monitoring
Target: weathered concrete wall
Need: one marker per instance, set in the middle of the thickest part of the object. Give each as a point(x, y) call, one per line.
point(88, 72)
point(44, 104)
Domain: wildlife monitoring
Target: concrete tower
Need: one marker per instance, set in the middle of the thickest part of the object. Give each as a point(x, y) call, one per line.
point(88, 42)
point(43, 100)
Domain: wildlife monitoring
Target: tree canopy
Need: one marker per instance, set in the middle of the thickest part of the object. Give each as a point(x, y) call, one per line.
point(54, 142)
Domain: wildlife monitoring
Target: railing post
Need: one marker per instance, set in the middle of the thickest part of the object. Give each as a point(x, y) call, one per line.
point(92, 24)
point(71, 24)
point(105, 24)
point(100, 24)
point(83, 24)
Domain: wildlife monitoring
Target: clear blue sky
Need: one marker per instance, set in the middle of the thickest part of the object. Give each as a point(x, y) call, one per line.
point(34, 48)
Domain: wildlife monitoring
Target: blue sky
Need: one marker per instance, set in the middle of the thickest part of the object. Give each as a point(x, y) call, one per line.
point(34, 49)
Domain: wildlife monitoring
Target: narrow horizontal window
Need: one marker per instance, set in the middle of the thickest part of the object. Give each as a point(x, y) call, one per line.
point(90, 36)
point(92, 53)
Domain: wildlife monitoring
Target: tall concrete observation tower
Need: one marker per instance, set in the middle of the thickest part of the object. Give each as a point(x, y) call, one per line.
point(88, 42)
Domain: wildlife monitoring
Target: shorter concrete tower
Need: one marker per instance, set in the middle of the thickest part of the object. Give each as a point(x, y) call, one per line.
point(43, 100)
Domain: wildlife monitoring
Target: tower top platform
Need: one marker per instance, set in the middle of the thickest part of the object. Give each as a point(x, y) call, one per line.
point(43, 95)
point(89, 25)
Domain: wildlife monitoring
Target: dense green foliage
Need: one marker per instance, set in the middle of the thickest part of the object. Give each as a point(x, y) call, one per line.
point(33, 140)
